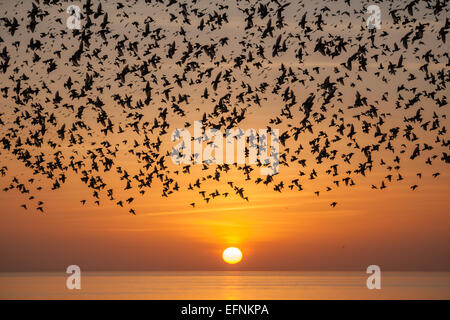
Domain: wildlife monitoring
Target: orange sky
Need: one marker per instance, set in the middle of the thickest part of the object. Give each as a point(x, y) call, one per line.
point(395, 228)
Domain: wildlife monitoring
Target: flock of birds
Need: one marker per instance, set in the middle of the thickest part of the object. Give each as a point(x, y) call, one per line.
point(76, 103)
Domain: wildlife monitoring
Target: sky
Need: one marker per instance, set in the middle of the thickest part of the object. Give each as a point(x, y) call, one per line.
point(395, 228)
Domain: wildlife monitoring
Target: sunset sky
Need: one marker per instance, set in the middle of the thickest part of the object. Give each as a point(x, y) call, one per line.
point(395, 228)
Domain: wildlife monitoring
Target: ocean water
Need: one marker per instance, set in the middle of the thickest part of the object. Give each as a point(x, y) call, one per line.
point(226, 285)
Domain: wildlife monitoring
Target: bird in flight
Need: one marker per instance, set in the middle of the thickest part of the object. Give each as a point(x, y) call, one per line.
point(98, 104)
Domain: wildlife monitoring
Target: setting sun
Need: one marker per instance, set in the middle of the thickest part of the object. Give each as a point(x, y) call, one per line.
point(232, 255)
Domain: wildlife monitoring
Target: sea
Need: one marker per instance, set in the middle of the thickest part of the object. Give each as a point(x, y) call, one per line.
point(226, 285)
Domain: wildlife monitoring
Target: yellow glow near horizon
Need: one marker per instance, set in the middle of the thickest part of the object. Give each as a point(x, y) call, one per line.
point(232, 255)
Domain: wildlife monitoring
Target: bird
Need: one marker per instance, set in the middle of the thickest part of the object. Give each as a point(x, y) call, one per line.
point(75, 110)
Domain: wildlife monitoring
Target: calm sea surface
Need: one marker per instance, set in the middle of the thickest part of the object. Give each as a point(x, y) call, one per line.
point(226, 285)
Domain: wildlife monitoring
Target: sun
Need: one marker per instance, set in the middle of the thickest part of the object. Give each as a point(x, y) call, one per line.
point(232, 255)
